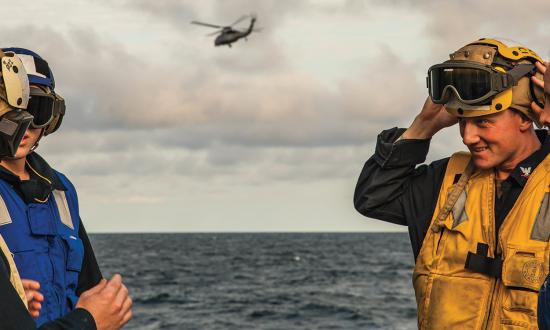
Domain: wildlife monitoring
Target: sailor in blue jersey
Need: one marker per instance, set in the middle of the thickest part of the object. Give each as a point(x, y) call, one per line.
point(39, 217)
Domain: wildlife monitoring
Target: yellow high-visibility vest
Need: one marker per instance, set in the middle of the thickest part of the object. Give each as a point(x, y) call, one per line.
point(462, 278)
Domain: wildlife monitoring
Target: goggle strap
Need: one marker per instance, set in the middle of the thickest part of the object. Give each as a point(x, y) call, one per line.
point(520, 71)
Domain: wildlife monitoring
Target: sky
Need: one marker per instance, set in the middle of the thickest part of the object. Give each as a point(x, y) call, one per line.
point(166, 133)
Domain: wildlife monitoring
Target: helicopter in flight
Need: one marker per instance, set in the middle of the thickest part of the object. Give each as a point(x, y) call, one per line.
point(227, 34)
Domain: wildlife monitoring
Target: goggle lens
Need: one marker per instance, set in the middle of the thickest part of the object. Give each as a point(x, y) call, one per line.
point(41, 108)
point(470, 84)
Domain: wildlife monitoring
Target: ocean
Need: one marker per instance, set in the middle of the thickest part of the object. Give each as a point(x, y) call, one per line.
point(264, 281)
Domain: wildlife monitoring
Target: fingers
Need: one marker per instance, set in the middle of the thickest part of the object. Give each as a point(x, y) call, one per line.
point(542, 67)
point(126, 311)
point(127, 316)
point(121, 300)
point(34, 314)
point(126, 308)
point(33, 295)
point(121, 296)
point(114, 283)
point(537, 82)
point(538, 110)
point(31, 290)
point(30, 284)
point(113, 286)
point(542, 115)
point(34, 308)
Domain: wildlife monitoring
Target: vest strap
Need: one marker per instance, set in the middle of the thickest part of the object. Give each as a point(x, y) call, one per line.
point(15, 279)
point(479, 262)
point(439, 222)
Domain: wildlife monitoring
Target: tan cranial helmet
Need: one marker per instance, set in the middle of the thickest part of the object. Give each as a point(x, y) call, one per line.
point(14, 98)
point(484, 77)
point(14, 84)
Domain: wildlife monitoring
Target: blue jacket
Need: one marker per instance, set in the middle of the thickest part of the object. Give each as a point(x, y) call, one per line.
point(43, 237)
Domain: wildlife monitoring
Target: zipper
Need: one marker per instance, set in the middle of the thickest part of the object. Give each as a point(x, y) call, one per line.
point(488, 316)
point(491, 237)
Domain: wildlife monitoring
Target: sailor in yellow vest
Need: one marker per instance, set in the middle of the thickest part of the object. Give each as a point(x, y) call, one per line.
point(479, 221)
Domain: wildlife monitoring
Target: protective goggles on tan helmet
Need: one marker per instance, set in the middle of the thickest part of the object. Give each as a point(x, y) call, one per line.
point(44, 105)
point(486, 76)
point(472, 82)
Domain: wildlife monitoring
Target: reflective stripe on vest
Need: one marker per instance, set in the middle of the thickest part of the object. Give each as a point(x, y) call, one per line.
point(60, 201)
point(449, 295)
point(14, 274)
point(4, 213)
point(63, 208)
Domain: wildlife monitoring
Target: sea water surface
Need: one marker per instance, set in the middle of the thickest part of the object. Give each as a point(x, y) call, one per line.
point(264, 281)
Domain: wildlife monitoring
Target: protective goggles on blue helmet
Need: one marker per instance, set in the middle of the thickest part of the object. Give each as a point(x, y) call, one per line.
point(471, 82)
point(44, 105)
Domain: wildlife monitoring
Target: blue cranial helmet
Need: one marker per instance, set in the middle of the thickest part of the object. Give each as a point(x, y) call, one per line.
point(45, 105)
point(38, 70)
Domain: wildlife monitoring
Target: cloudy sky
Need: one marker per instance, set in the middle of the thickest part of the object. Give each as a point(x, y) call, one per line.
point(165, 132)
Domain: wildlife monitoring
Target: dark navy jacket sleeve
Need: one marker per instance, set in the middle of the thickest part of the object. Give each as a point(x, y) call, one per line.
point(14, 315)
point(90, 274)
point(392, 186)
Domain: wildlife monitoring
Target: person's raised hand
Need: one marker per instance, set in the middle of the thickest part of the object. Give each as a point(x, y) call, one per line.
point(33, 296)
point(543, 114)
point(109, 303)
point(431, 119)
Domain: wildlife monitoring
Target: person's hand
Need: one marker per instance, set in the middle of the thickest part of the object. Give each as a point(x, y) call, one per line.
point(431, 119)
point(33, 296)
point(543, 114)
point(109, 304)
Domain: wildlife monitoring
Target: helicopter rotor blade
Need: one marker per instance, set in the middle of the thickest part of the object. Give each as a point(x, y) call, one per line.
point(214, 33)
point(206, 24)
point(240, 20)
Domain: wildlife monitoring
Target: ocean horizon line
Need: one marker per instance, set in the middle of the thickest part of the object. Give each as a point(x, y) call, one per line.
point(242, 232)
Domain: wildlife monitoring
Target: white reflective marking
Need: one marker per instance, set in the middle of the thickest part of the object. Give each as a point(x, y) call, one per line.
point(5, 218)
point(63, 208)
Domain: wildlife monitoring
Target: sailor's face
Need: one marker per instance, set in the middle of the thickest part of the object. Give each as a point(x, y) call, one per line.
point(28, 141)
point(493, 140)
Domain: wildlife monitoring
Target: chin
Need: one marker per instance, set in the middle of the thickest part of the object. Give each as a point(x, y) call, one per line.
point(483, 165)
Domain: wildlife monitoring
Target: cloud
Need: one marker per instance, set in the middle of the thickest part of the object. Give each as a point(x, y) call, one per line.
point(452, 24)
point(156, 113)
